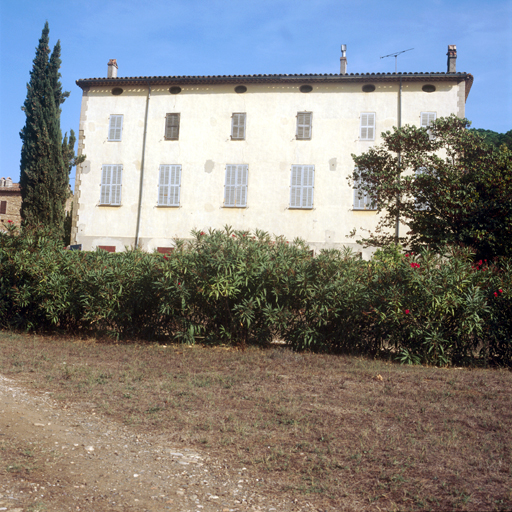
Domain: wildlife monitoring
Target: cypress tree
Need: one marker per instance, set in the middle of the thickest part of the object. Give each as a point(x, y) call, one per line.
point(44, 175)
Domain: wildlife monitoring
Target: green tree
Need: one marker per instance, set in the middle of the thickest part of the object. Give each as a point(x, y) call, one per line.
point(44, 174)
point(446, 185)
point(494, 138)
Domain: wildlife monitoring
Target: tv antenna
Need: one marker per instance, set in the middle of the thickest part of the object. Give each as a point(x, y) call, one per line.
point(396, 54)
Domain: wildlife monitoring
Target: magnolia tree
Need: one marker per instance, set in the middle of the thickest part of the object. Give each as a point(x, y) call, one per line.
point(444, 184)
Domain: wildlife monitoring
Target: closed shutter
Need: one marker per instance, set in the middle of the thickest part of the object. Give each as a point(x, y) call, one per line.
point(172, 126)
point(111, 176)
point(360, 197)
point(302, 186)
point(367, 126)
point(235, 188)
point(115, 128)
point(3, 206)
point(238, 126)
point(427, 118)
point(304, 121)
point(169, 184)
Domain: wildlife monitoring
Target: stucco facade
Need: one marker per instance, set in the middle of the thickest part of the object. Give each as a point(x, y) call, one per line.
point(268, 150)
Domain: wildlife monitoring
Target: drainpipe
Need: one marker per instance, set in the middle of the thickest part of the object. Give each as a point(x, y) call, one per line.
point(397, 226)
point(141, 185)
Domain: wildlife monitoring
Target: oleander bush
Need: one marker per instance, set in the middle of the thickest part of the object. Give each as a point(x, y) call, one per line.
point(239, 288)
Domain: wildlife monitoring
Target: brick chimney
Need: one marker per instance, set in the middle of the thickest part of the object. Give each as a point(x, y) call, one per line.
point(452, 58)
point(112, 68)
point(343, 60)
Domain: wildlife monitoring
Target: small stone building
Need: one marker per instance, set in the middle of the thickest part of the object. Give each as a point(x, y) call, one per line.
point(10, 202)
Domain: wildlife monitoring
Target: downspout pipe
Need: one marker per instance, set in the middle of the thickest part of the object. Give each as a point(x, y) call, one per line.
point(141, 184)
point(397, 225)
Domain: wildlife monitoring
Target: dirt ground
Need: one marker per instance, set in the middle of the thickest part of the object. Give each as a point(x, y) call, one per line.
point(63, 457)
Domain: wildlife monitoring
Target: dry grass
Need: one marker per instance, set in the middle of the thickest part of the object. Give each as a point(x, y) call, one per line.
point(370, 434)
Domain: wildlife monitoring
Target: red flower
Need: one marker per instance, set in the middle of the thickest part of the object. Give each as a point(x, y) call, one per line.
point(232, 235)
point(407, 255)
point(9, 221)
point(406, 311)
point(480, 262)
point(500, 290)
point(179, 284)
point(495, 294)
point(165, 257)
point(202, 233)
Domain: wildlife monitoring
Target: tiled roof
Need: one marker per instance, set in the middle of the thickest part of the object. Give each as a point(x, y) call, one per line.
point(283, 78)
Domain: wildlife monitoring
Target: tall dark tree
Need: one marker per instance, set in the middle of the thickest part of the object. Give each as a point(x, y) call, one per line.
point(44, 175)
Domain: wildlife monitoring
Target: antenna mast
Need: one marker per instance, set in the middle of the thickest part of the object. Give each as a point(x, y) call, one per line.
point(396, 54)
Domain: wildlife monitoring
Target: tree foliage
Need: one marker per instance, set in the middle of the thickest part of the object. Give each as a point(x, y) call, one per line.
point(494, 138)
point(446, 185)
point(46, 159)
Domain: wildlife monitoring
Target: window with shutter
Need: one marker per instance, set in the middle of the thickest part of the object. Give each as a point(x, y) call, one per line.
point(115, 128)
point(172, 127)
point(419, 203)
point(235, 188)
point(302, 186)
point(427, 118)
point(362, 199)
point(3, 206)
point(169, 184)
point(111, 180)
point(367, 128)
point(304, 125)
point(238, 126)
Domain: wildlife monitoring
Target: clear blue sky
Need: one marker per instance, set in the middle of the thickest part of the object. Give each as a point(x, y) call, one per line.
point(226, 37)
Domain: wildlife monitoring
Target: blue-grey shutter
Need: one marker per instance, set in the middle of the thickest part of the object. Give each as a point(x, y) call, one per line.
point(106, 171)
point(163, 185)
point(174, 185)
point(359, 196)
point(308, 181)
point(238, 126)
point(296, 186)
point(115, 128)
point(172, 126)
point(230, 185)
point(367, 126)
point(115, 195)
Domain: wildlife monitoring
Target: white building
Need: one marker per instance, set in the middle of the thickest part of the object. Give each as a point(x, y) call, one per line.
point(166, 155)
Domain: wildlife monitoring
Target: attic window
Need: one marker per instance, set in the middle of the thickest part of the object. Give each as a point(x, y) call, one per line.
point(428, 88)
point(175, 89)
point(305, 88)
point(116, 91)
point(368, 88)
point(240, 89)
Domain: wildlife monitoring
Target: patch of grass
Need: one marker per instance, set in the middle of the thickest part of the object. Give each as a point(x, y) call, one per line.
point(421, 438)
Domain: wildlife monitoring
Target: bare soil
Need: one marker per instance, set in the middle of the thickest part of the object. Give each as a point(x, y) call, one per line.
point(94, 426)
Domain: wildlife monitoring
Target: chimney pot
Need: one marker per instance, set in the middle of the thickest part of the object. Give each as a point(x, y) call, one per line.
point(112, 68)
point(452, 58)
point(343, 60)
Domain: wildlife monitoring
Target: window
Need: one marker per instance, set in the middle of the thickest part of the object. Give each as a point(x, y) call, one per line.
point(235, 189)
point(169, 184)
point(420, 204)
point(108, 248)
point(238, 126)
point(304, 125)
point(362, 200)
point(427, 118)
point(3, 206)
point(367, 128)
point(172, 127)
point(301, 186)
point(115, 128)
point(111, 184)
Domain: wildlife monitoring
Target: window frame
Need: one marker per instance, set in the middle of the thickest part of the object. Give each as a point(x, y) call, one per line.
point(235, 192)
point(366, 126)
point(361, 203)
point(428, 123)
point(107, 191)
point(112, 127)
point(237, 126)
point(304, 125)
point(172, 115)
point(3, 207)
point(302, 195)
point(170, 189)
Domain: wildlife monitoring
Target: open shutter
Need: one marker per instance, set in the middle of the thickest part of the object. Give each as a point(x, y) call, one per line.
point(238, 126)
point(367, 126)
point(115, 128)
point(230, 185)
point(304, 125)
point(172, 126)
point(174, 185)
point(163, 185)
point(106, 173)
